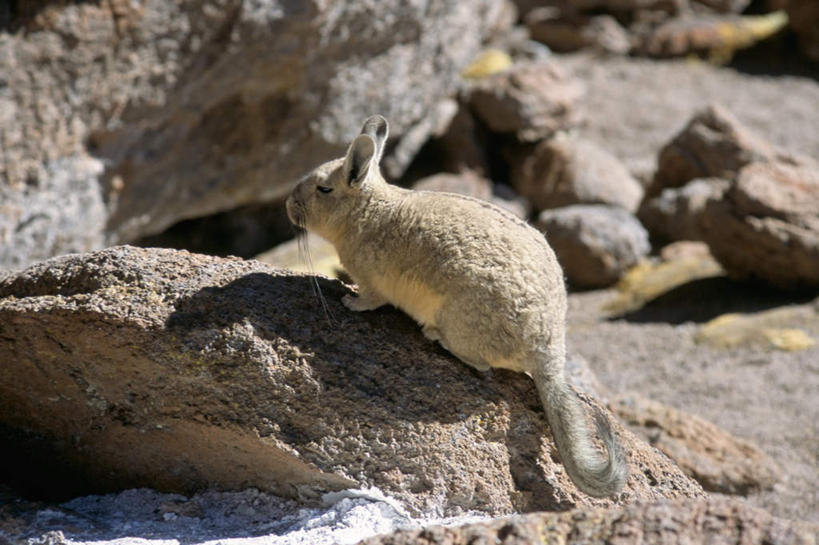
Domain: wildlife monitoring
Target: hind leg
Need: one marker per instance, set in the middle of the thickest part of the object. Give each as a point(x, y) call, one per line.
point(434, 334)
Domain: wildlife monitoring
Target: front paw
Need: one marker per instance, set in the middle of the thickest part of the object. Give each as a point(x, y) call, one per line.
point(353, 302)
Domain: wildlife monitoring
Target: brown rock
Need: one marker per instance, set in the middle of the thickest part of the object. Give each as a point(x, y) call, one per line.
point(566, 170)
point(530, 101)
point(465, 183)
point(144, 367)
point(719, 461)
point(713, 144)
point(715, 520)
point(766, 227)
point(198, 107)
point(675, 213)
point(595, 244)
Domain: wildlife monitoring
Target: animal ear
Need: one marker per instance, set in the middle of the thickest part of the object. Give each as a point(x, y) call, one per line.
point(359, 159)
point(377, 128)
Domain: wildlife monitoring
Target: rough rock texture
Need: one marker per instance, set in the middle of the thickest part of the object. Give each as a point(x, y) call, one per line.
point(766, 226)
point(675, 213)
point(529, 101)
point(713, 144)
point(719, 461)
point(595, 244)
point(664, 523)
point(135, 367)
point(566, 170)
point(202, 106)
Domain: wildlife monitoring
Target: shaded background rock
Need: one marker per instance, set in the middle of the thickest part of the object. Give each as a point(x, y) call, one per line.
point(200, 107)
point(566, 170)
point(180, 371)
point(595, 244)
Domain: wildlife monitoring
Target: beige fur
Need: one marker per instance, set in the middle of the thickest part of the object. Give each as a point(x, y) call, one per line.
point(480, 281)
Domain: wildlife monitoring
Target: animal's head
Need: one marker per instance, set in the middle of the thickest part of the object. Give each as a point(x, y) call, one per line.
point(325, 199)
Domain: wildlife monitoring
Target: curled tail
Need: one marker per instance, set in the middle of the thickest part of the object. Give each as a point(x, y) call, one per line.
point(591, 472)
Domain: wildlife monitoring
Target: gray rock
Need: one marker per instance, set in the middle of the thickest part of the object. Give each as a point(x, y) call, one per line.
point(675, 214)
point(529, 101)
point(199, 107)
point(595, 244)
point(766, 227)
point(567, 170)
point(144, 367)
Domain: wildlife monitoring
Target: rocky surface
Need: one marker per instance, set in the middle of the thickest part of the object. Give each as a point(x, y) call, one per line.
point(595, 244)
point(179, 371)
point(202, 106)
point(665, 523)
point(766, 226)
point(716, 459)
point(567, 170)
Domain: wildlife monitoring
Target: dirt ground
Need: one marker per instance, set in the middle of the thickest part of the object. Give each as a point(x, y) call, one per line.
point(766, 396)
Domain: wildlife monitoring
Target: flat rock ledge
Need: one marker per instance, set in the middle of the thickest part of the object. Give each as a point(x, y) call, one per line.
point(132, 367)
point(714, 520)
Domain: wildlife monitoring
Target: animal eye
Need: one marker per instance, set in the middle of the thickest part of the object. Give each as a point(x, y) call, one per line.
point(323, 189)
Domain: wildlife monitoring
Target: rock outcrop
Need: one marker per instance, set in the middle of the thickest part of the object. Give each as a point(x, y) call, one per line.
point(136, 367)
point(198, 107)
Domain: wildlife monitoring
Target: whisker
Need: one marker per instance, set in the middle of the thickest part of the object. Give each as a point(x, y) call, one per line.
point(306, 257)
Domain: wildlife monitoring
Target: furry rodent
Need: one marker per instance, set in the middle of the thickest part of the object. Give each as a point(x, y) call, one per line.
point(480, 281)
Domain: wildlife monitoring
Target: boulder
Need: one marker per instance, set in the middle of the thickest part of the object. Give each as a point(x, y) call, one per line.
point(717, 460)
point(136, 367)
point(567, 170)
point(529, 101)
point(715, 520)
point(675, 213)
point(199, 107)
point(713, 144)
point(766, 226)
point(595, 244)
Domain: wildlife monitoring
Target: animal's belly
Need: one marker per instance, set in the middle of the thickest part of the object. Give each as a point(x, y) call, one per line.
point(414, 298)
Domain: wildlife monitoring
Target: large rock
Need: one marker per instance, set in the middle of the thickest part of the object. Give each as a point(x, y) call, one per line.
point(134, 367)
point(201, 106)
point(766, 226)
point(718, 461)
point(567, 170)
point(595, 244)
point(529, 101)
point(713, 144)
point(713, 520)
